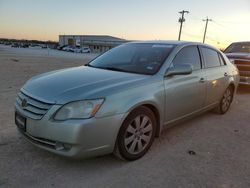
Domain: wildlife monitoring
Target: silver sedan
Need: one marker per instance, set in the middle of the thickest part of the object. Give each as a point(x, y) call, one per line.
point(120, 101)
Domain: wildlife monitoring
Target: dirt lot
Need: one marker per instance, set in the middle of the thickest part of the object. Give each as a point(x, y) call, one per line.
point(221, 143)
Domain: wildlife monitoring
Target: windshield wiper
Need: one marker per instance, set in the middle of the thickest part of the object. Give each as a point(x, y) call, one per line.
point(108, 68)
point(88, 65)
point(114, 69)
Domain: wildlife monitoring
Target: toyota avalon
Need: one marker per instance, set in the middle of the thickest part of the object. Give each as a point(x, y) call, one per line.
point(120, 101)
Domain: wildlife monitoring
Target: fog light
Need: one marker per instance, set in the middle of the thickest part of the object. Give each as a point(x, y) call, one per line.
point(67, 146)
point(62, 146)
point(59, 146)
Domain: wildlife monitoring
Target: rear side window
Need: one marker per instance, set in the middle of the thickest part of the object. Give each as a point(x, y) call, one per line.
point(211, 57)
point(188, 55)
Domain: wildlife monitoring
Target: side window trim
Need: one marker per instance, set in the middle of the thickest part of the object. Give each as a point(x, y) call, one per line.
point(223, 63)
point(203, 58)
point(200, 59)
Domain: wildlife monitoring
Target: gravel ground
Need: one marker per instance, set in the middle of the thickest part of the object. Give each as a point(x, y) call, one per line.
point(220, 144)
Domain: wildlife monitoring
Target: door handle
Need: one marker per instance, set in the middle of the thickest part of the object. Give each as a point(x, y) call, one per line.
point(202, 80)
point(225, 74)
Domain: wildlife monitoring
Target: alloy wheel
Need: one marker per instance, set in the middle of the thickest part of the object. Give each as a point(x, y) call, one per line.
point(226, 100)
point(138, 134)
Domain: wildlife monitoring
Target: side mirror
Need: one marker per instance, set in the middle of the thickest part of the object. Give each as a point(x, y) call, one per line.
point(181, 69)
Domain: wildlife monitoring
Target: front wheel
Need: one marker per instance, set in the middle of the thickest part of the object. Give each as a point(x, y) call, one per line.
point(136, 134)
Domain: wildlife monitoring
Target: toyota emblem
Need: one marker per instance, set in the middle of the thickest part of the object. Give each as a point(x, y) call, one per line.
point(24, 103)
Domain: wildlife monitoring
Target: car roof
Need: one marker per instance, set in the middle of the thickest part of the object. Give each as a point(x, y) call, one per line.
point(173, 42)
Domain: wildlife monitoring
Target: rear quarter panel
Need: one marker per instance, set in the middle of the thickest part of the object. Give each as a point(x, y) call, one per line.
point(233, 72)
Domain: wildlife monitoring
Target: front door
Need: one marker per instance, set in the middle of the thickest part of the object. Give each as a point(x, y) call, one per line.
point(185, 94)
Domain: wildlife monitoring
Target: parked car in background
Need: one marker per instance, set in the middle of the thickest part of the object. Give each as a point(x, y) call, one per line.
point(7, 43)
point(22, 45)
point(239, 54)
point(121, 100)
point(67, 48)
point(44, 46)
point(76, 50)
point(15, 45)
point(61, 47)
point(34, 45)
point(86, 50)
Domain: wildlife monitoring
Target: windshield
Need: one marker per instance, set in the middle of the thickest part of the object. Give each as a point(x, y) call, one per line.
point(238, 47)
point(141, 58)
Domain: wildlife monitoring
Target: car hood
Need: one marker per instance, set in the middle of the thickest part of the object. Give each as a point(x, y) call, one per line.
point(238, 55)
point(77, 83)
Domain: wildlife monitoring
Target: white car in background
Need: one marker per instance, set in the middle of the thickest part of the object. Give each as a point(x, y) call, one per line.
point(86, 50)
point(67, 48)
point(76, 49)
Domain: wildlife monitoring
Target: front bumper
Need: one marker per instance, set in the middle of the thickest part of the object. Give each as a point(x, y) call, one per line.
point(244, 80)
point(81, 138)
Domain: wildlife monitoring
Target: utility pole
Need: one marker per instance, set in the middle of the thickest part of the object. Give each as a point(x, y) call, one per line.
point(205, 32)
point(181, 20)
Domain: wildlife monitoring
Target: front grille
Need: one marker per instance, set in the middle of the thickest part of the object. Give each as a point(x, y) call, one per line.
point(244, 73)
point(32, 108)
point(242, 65)
point(41, 141)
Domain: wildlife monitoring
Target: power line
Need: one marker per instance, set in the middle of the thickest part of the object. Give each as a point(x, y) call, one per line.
point(212, 39)
point(181, 20)
point(192, 35)
point(194, 19)
point(225, 29)
point(205, 32)
point(220, 25)
point(230, 22)
point(218, 42)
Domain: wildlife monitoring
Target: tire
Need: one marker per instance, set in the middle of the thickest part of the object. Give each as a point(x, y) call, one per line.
point(226, 101)
point(136, 134)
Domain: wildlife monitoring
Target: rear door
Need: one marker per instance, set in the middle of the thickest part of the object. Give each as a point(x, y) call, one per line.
point(185, 94)
point(216, 75)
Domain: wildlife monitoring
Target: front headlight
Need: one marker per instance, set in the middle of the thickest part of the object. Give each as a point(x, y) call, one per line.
point(79, 109)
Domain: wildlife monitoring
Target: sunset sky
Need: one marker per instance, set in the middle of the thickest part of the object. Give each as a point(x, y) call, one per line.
point(129, 19)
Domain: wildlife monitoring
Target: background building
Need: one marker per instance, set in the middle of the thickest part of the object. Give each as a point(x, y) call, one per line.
point(96, 43)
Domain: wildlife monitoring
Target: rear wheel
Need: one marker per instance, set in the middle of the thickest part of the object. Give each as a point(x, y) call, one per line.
point(226, 100)
point(136, 134)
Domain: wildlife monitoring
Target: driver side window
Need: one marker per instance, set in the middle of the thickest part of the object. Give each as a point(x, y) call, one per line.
point(188, 55)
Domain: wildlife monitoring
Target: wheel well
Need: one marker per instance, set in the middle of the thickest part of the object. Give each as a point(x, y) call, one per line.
point(157, 117)
point(232, 85)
